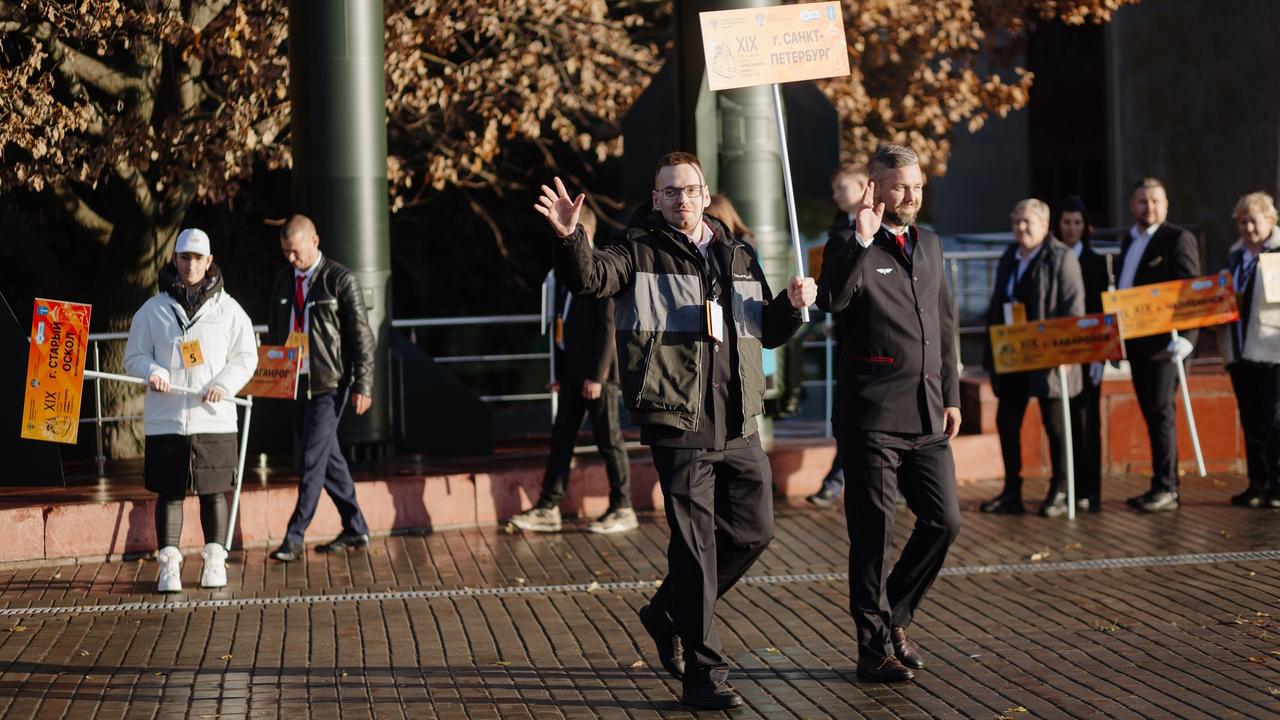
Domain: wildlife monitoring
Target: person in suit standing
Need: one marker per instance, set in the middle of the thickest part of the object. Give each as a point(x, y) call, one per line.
point(897, 406)
point(318, 306)
point(848, 182)
point(1156, 251)
point(1041, 275)
point(587, 378)
point(1086, 410)
point(1251, 350)
point(693, 311)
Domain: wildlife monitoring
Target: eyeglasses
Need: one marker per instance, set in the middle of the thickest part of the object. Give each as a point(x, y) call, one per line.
point(690, 191)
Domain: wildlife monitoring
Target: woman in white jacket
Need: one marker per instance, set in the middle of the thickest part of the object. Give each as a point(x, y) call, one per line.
point(191, 334)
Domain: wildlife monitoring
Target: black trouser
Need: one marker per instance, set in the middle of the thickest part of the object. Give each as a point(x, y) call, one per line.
point(1010, 410)
point(1257, 388)
point(315, 424)
point(1086, 438)
point(719, 508)
point(607, 430)
point(876, 466)
point(1155, 384)
point(213, 519)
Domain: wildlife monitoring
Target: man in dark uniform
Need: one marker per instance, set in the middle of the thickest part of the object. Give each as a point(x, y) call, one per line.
point(587, 379)
point(692, 313)
point(1155, 251)
point(897, 406)
point(318, 306)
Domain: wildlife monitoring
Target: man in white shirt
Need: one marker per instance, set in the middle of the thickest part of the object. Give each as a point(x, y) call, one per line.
point(1156, 251)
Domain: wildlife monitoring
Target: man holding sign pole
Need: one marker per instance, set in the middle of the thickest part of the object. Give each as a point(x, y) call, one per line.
point(692, 312)
point(1155, 251)
point(897, 406)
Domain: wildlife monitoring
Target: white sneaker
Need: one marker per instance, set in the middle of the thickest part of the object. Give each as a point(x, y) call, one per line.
point(615, 521)
point(214, 574)
point(538, 519)
point(170, 561)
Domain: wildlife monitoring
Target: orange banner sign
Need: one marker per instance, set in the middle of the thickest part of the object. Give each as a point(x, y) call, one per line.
point(55, 371)
point(1174, 305)
point(1044, 344)
point(767, 45)
point(277, 373)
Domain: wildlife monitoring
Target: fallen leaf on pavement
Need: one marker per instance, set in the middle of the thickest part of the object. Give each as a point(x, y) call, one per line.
point(638, 664)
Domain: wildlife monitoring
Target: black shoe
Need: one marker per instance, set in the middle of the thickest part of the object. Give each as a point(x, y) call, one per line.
point(344, 542)
point(1272, 500)
point(889, 669)
point(1054, 506)
point(1251, 498)
point(670, 648)
point(906, 650)
point(711, 696)
point(1003, 504)
point(287, 552)
point(824, 498)
point(1160, 502)
point(1090, 503)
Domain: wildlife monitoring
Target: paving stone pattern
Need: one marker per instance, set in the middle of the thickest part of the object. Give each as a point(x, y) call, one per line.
point(1193, 640)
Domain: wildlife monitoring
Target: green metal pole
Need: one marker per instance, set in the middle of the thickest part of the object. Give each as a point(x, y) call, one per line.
point(338, 88)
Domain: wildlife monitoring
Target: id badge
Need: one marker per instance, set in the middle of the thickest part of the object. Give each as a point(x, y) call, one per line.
point(715, 321)
point(1015, 312)
point(191, 354)
point(298, 340)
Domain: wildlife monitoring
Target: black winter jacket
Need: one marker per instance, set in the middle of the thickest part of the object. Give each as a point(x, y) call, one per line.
point(339, 341)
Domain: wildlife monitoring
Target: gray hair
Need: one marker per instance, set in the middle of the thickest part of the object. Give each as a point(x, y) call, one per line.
point(1033, 206)
point(890, 156)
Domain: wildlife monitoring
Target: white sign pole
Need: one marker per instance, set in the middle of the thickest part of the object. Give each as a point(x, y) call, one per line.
point(1191, 416)
point(791, 194)
point(1069, 440)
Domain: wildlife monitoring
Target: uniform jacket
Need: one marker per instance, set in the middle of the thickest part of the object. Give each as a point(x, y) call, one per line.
point(1259, 319)
point(897, 369)
point(1097, 278)
point(339, 341)
point(588, 352)
point(226, 341)
point(1171, 254)
point(659, 284)
point(1050, 287)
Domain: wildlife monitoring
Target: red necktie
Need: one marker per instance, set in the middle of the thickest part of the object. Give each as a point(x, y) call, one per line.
point(902, 242)
point(298, 313)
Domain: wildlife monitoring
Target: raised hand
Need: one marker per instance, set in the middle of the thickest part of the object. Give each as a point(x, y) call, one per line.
point(868, 214)
point(559, 209)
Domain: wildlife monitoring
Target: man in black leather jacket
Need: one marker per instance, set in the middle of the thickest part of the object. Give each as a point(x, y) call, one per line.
point(317, 305)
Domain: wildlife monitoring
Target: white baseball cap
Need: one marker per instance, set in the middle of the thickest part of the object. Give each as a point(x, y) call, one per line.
point(192, 240)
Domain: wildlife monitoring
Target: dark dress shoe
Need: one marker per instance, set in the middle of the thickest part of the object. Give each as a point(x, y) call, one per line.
point(1054, 506)
point(1092, 504)
point(1003, 505)
point(888, 669)
point(1272, 500)
point(824, 498)
point(1251, 498)
point(711, 696)
point(906, 650)
point(344, 542)
point(1160, 502)
point(287, 552)
point(670, 648)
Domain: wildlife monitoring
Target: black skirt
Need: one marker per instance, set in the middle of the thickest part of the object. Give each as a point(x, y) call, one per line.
point(180, 464)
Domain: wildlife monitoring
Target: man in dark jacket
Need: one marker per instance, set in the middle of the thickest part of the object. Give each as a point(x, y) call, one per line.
point(586, 367)
point(693, 312)
point(1075, 232)
point(317, 305)
point(1042, 276)
point(897, 405)
point(1156, 251)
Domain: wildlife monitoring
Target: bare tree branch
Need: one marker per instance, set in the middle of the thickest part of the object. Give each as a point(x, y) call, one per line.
point(86, 218)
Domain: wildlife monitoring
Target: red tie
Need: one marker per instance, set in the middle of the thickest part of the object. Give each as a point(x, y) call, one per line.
point(902, 242)
point(298, 313)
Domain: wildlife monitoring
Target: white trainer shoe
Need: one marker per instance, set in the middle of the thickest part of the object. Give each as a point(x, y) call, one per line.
point(170, 561)
point(615, 521)
point(214, 574)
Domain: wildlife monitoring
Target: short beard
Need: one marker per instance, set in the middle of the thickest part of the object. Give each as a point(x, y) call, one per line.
point(899, 218)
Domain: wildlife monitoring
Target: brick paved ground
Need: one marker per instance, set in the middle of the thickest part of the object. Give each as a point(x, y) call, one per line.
point(1022, 625)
